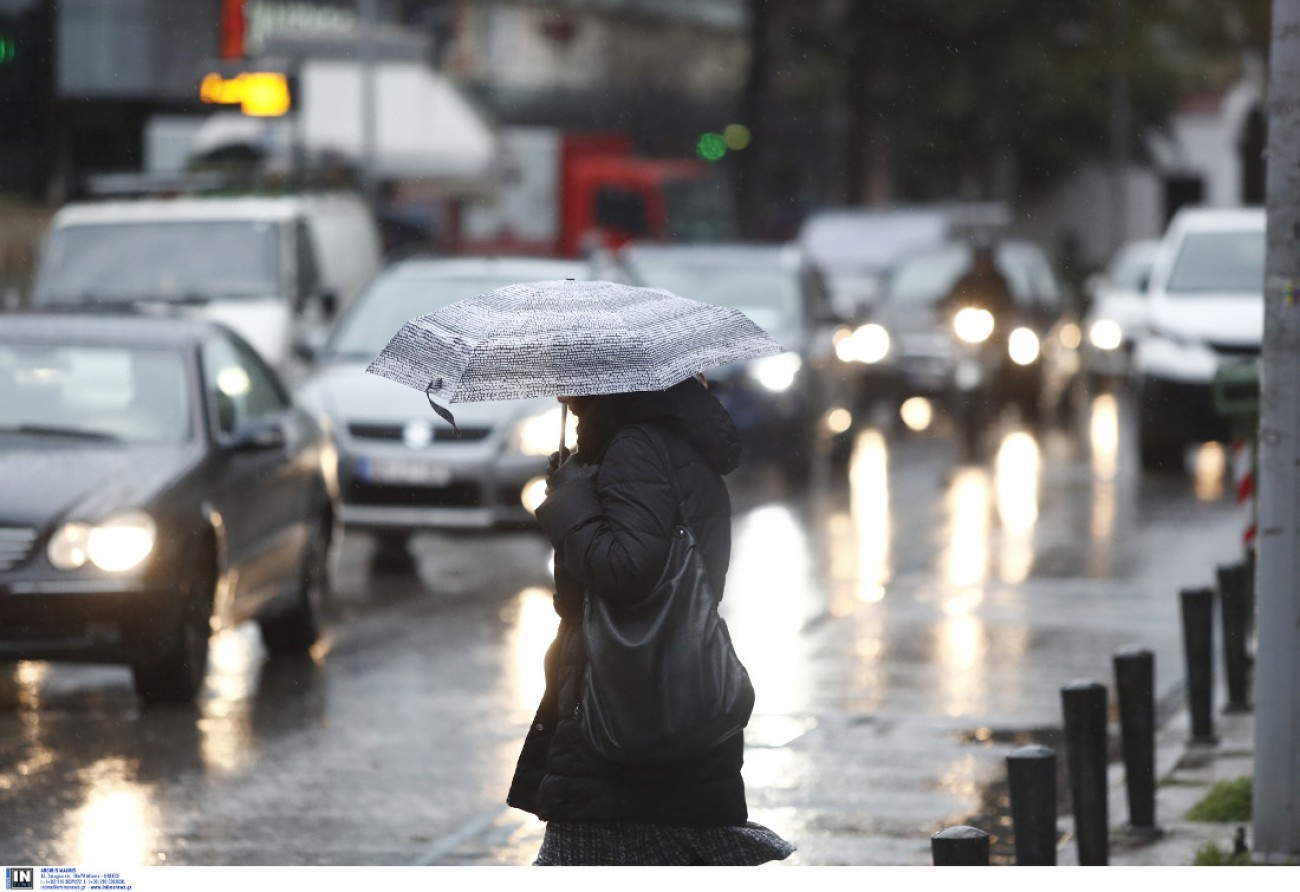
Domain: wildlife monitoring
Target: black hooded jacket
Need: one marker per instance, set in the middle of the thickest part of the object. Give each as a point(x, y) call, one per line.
point(610, 524)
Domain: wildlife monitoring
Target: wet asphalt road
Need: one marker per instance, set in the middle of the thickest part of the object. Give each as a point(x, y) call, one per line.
point(905, 628)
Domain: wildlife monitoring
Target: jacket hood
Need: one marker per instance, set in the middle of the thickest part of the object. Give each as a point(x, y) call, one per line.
point(686, 409)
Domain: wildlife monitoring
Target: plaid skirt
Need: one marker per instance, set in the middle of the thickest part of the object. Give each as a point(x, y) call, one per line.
point(573, 845)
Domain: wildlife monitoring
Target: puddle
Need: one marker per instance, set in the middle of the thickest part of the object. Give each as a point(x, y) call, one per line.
point(994, 813)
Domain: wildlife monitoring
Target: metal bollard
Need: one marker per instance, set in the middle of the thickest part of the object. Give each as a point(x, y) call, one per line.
point(1135, 691)
point(960, 846)
point(1233, 604)
point(1031, 776)
point(1084, 705)
point(1198, 649)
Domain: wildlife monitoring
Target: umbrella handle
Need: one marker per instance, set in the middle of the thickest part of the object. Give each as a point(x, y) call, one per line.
point(564, 423)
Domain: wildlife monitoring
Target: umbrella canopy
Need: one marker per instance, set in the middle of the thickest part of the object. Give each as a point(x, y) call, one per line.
point(566, 338)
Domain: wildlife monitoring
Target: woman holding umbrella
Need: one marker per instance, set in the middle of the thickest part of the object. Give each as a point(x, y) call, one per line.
point(640, 517)
point(610, 512)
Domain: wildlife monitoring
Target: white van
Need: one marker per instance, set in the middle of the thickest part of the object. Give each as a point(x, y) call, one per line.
point(1206, 310)
point(274, 268)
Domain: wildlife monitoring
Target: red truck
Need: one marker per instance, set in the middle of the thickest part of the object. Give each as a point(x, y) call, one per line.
point(565, 193)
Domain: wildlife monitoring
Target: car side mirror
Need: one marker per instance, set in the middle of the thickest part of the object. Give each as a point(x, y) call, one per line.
point(308, 345)
point(258, 435)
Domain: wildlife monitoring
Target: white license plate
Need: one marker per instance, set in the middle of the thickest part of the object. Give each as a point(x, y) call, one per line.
point(404, 470)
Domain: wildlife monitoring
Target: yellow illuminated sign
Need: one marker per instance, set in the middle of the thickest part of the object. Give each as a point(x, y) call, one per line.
point(263, 94)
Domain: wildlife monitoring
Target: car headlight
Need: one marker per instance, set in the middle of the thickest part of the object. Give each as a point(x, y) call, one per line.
point(539, 434)
point(1105, 334)
point(776, 373)
point(973, 325)
point(1022, 346)
point(68, 546)
point(120, 543)
point(868, 343)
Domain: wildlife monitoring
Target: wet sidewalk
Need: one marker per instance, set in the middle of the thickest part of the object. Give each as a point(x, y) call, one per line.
point(1185, 773)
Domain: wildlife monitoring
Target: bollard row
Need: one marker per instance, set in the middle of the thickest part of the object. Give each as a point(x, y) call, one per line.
point(1031, 770)
point(1032, 775)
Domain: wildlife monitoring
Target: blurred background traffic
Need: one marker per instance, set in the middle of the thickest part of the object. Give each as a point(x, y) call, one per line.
point(1000, 242)
point(956, 221)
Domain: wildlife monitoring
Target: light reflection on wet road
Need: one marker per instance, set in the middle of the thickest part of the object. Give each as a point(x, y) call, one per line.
point(897, 624)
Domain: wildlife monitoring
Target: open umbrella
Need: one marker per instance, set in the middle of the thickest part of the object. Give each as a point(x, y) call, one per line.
point(565, 338)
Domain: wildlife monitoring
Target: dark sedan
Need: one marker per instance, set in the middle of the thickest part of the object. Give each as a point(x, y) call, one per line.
point(782, 404)
point(156, 484)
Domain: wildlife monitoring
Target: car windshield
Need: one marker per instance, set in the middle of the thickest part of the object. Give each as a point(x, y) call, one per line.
point(927, 278)
point(164, 261)
point(392, 301)
point(1132, 266)
point(870, 241)
point(767, 295)
point(850, 292)
point(1219, 262)
point(125, 394)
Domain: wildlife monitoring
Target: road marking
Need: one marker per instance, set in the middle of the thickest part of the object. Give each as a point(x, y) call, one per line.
point(449, 843)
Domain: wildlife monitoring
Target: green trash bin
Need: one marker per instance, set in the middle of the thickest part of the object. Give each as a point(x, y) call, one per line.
point(1236, 397)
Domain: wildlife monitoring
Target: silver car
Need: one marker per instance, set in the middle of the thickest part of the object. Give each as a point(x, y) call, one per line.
point(1117, 317)
point(403, 469)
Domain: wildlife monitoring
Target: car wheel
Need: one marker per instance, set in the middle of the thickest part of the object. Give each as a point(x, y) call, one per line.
point(841, 450)
point(392, 555)
point(797, 463)
point(1157, 451)
point(970, 425)
point(297, 630)
point(1030, 403)
point(1065, 405)
point(175, 674)
point(797, 471)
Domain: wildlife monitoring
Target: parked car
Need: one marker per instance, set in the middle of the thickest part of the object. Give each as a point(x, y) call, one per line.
point(1117, 314)
point(1206, 309)
point(274, 268)
point(781, 403)
point(156, 483)
point(401, 468)
point(909, 347)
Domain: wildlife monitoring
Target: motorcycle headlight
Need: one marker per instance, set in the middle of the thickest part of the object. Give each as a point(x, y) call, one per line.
point(120, 543)
point(1023, 346)
point(973, 325)
point(540, 434)
point(1106, 334)
point(869, 344)
point(776, 373)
